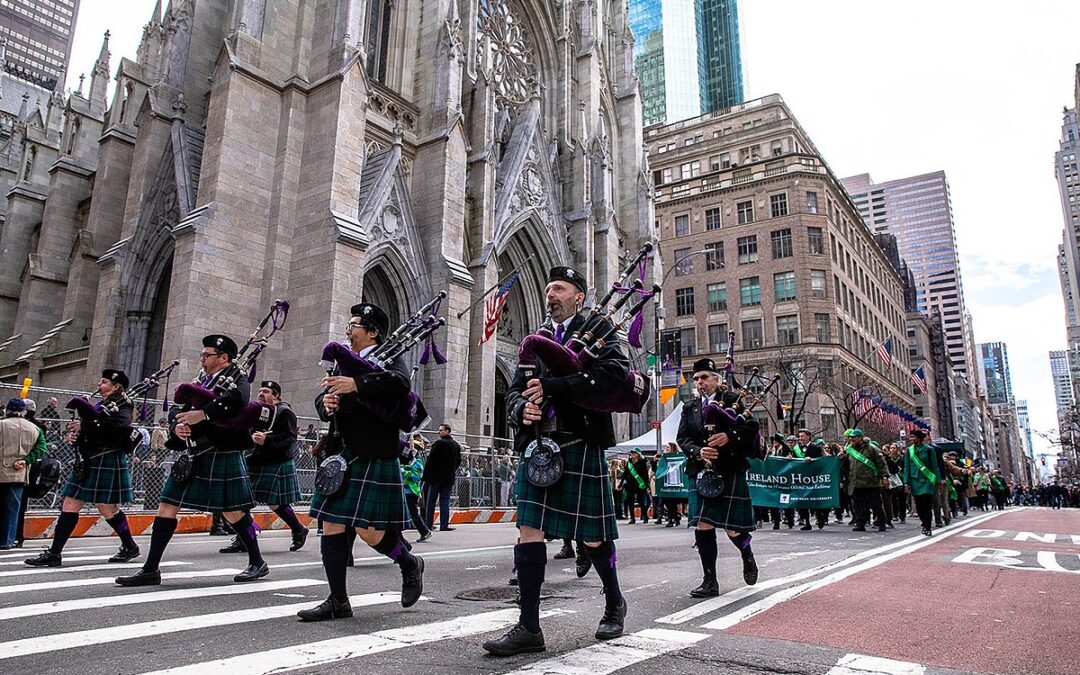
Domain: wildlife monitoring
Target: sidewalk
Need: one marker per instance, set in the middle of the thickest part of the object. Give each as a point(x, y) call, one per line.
point(40, 526)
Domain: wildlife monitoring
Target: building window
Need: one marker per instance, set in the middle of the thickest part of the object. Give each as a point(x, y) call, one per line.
point(747, 249)
point(752, 334)
point(682, 225)
point(784, 286)
point(811, 202)
point(718, 337)
point(781, 244)
point(828, 422)
point(668, 175)
point(712, 219)
point(714, 256)
point(816, 239)
point(787, 330)
point(658, 177)
point(746, 212)
point(750, 291)
point(778, 204)
point(818, 285)
point(825, 368)
point(684, 262)
point(717, 297)
point(822, 327)
point(689, 341)
point(378, 39)
point(684, 301)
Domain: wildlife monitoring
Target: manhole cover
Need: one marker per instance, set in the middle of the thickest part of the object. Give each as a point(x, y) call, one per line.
point(495, 594)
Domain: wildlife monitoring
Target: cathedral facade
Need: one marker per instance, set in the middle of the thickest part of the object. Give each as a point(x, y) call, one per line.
point(323, 151)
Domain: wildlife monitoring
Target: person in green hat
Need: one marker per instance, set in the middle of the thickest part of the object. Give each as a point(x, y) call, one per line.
point(868, 473)
point(921, 475)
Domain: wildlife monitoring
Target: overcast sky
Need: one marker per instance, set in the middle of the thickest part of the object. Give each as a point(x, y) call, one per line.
point(974, 88)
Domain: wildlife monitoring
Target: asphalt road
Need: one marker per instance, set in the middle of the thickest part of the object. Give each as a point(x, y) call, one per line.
point(73, 619)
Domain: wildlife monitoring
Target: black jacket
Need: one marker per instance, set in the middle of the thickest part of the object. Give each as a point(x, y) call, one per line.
point(107, 432)
point(208, 435)
point(364, 432)
point(630, 483)
point(607, 371)
point(692, 436)
point(278, 446)
point(444, 458)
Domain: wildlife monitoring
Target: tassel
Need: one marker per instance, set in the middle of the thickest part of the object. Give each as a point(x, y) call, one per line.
point(634, 334)
point(427, 352)
point(251, 375)
point(165, 399)
point(439, 358)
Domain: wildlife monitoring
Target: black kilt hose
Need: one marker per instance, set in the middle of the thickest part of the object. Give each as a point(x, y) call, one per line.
point(107, 481)
point(218, 482)
point(274, 483)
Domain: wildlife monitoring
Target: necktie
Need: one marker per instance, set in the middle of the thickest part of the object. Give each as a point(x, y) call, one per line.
point(559, 330)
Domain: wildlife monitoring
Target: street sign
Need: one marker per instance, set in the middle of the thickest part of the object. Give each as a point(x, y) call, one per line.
point(655, 424)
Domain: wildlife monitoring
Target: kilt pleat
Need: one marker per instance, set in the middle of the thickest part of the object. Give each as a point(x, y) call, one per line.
point(108, 481)
point(732, 510)
point(372, 497)
point(275, 483)
point(580, 505)
point(219, 482)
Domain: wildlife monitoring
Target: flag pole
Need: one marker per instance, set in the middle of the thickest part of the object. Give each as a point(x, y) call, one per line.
point(500, 283)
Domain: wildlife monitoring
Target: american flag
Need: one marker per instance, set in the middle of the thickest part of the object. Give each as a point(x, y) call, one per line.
point(863, 405)
point(884, 351)
point(493, 306)
point(919, 378)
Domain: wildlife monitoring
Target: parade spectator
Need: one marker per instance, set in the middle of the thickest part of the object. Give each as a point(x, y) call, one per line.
point(440, 471)
point(310, 434)
point(615, 471)
point(981, 482)
point(412, 469)
point(21, 444)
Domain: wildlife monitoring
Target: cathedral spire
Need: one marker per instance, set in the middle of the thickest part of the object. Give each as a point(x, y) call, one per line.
point(56, 104)
point(149, 52)
point(99, 79)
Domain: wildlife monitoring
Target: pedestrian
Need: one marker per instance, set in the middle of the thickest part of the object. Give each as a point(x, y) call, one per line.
point(440, 473)
point(412, 468)
point(868, 473)
point(21, 444)
point(922, 474)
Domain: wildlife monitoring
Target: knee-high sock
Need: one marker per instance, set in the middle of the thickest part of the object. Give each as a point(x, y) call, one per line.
point(288, 516)
point(706, 548)
point(742, 542)
point(603, 559)
point(531, 560)
point(335, 554)
point(65, 525)
point(394, 547)
point(119, 524)
point(159, 539)
point(248, 534)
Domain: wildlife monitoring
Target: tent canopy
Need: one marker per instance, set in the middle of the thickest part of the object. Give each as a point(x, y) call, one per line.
point(646, 442)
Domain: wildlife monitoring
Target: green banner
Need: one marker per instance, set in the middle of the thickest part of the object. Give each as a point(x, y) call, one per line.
point(671, 479)
point(795, 483)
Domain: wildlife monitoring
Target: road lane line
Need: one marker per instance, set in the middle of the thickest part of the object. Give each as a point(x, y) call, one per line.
point(77, 558)
point(608, 657)
point(860, 664)
point(314, 654)
point(137, 598)
point(32, 571)
point(31, 552)
point(40, 644)
point(102, 581)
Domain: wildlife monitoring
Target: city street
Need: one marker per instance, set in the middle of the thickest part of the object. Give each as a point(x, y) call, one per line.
point(995, 592)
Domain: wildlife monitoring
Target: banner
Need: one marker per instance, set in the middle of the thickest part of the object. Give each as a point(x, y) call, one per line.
point(795, 483)
point(671, 479)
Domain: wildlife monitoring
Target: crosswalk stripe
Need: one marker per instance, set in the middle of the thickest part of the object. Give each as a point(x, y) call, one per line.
point(860, 664)
point(101, 581)
point(40, 644)
point(33, 571)
point(607, 657)
point(77, 558)
point(31, 552)
point(313, 654)
point(22, 611)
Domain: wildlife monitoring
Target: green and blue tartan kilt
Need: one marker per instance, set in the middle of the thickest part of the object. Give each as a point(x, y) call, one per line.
point(275, 483)
point(580, 505)
point(732, 510)
point(372, 497)
point(108, 481)
point(218, 482)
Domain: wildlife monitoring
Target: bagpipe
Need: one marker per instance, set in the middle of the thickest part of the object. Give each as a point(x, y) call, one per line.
point(87, 411)
point(194, 396)
point(585, 344)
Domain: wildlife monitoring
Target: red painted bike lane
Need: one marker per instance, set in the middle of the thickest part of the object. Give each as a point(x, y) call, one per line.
point(1000, 597)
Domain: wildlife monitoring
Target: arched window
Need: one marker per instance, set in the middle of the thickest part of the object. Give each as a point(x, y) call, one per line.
point(28, 170)
point(378, 39)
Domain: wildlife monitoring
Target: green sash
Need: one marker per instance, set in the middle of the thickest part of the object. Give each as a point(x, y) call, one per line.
point(798, 451)
point(927, 473)
point(862, 458)
point(634, 473)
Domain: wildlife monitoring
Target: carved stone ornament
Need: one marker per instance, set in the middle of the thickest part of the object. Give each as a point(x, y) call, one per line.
point(507, 49)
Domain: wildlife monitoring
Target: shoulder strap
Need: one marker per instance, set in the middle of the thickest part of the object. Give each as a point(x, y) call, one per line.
point(923, 469)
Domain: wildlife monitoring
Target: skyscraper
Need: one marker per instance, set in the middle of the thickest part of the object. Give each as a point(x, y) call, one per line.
point(994, 358)
point(918, 212)
point(1059, 371)
point(1068, 177)
point(39, 34)
point(687, 57)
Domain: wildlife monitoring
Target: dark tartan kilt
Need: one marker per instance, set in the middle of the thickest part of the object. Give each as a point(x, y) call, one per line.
point(372, 497)
point(219, 482)
point(275, 483)
point(580, 505)
point(108, 481)
point(732, 510)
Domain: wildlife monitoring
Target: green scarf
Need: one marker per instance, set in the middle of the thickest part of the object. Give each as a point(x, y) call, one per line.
point(927, 473)
point(862, 458)
point(634, 473)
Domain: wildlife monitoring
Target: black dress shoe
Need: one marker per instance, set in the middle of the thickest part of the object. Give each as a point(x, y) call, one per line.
point(882, 527)
point(749, 570)
point(776, 526)
point(219, 532)
point(858, 528)
point(518, 640)
point(124, 554)
point(141, 578)
point(45, 559)
point(611, 625)
point(298, 539)
point(806, 526)
point(583, 565)
point(412, 583)
point(670, 523)
point(708, 588)
point(329, 609)
point(565, 553)
point(446, 529)
point(235, 546)
point(253, 573)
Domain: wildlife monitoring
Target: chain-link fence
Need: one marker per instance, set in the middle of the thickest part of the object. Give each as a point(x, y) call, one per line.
point(485, 479)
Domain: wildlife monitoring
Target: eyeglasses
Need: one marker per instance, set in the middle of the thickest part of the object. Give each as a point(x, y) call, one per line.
point(207, 355)
point(354, 324)
point(701, 377)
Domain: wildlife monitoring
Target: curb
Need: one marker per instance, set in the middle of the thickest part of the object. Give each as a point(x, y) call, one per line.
point(42, 526)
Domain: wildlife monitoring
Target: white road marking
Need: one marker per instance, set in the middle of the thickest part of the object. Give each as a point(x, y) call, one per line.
point(77, 558)
point(31, 552)
point(31, 571)
point(608, 657)
point(860, 664)
point(102, 581)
